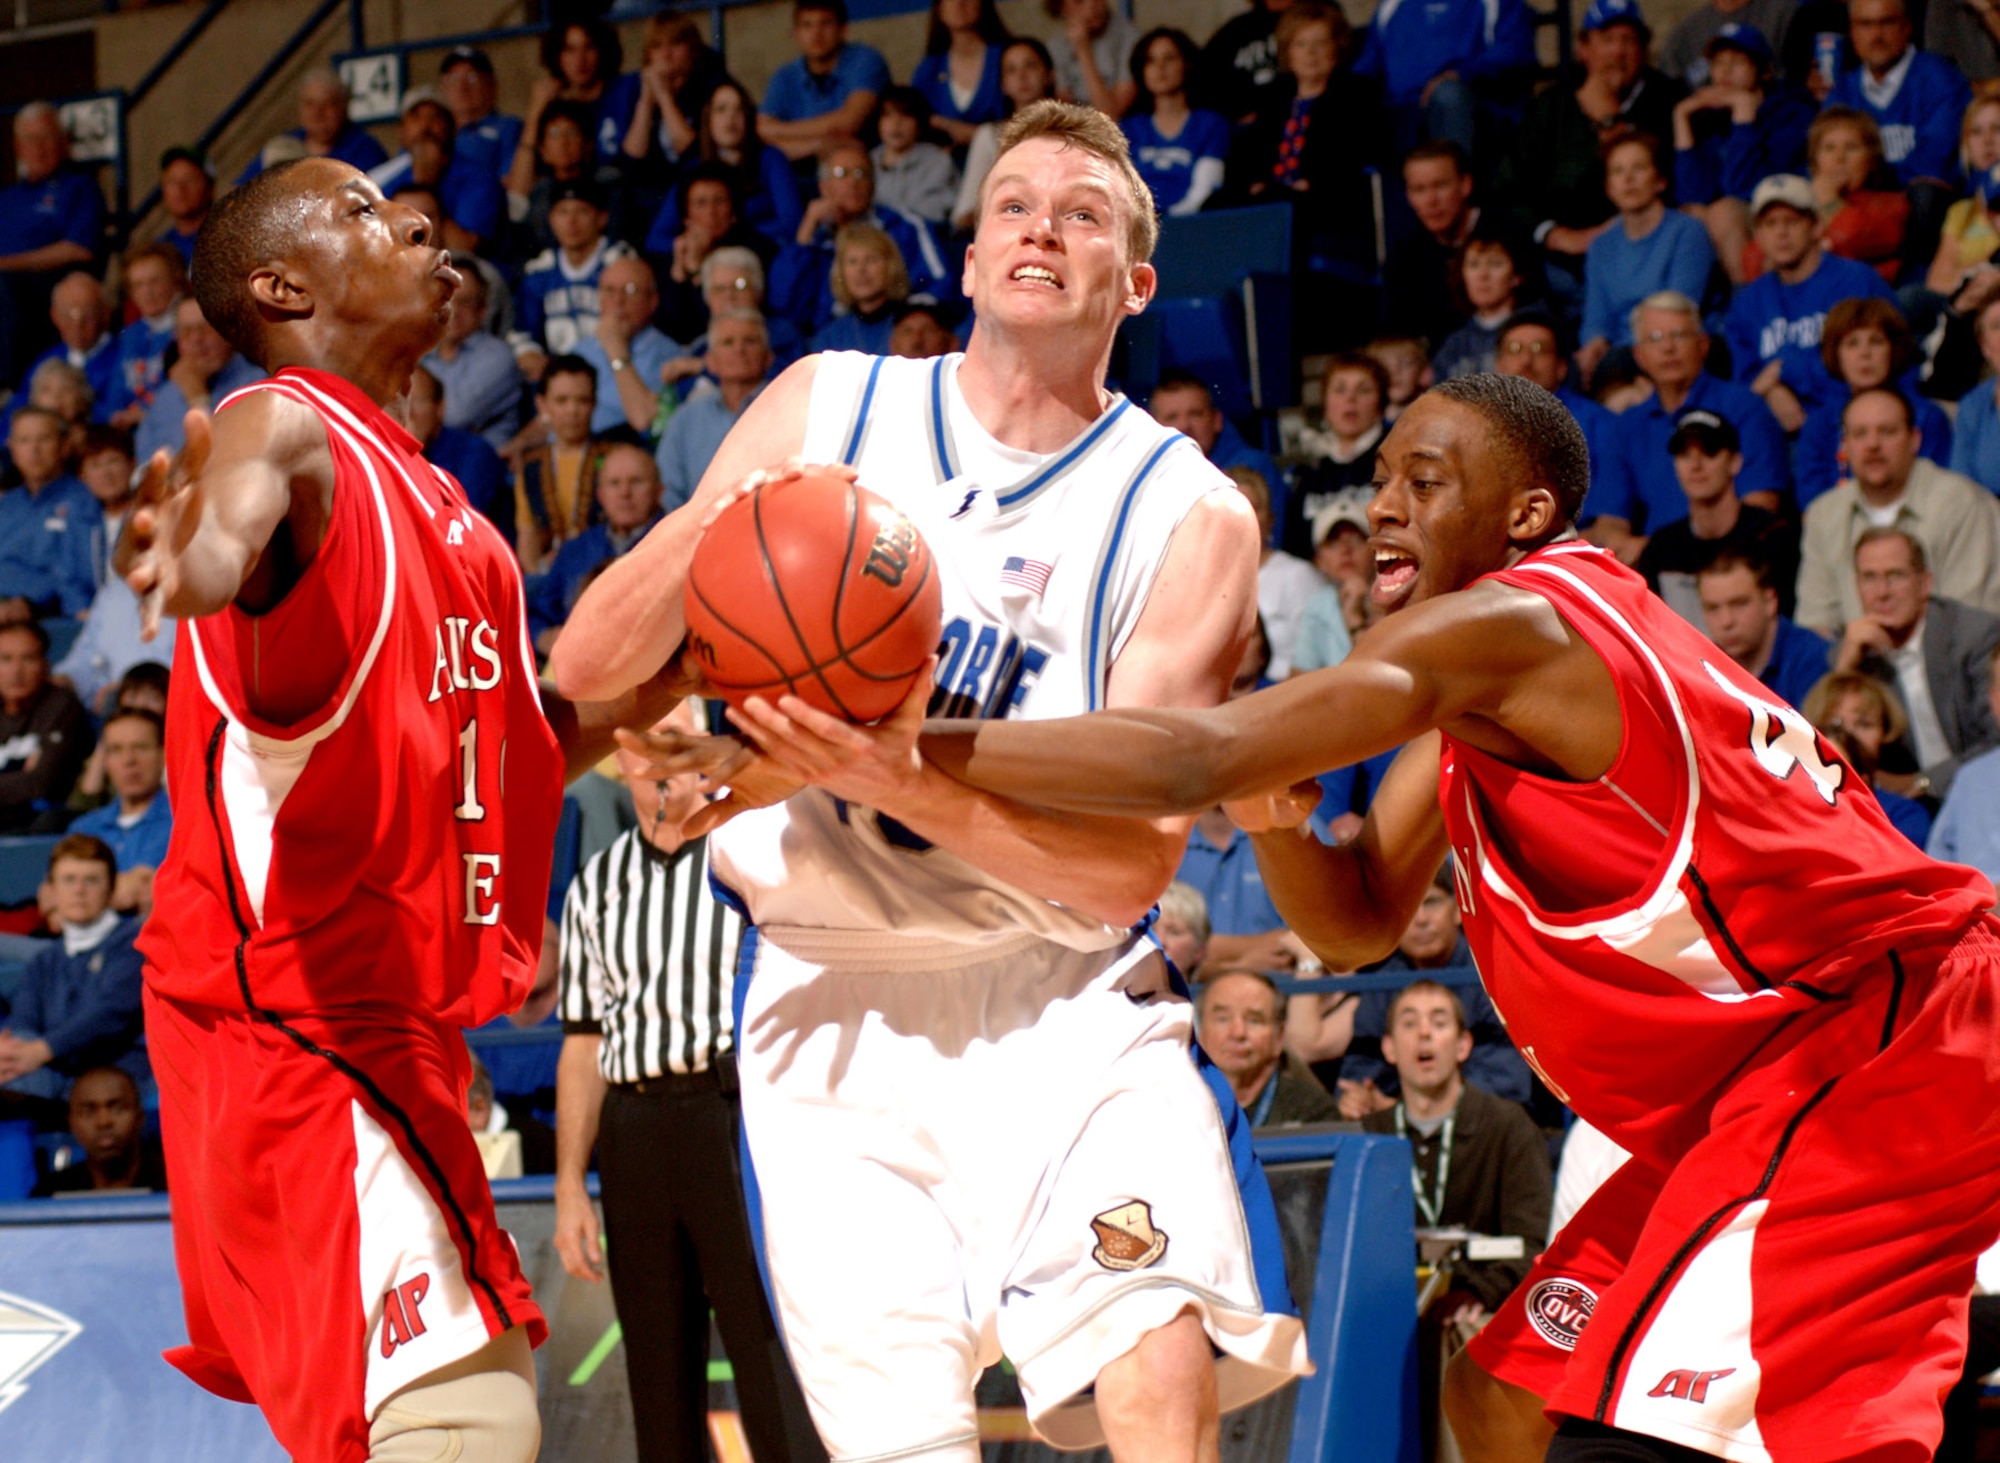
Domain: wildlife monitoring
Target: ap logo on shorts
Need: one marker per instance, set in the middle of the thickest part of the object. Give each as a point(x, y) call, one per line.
point(1560, 1309)
point(1126, 1239)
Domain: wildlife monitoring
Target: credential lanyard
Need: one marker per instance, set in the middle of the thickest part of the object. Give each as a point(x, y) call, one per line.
point(1431, 1204)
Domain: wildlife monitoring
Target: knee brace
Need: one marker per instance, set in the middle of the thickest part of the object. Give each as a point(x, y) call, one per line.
point(481, 1417)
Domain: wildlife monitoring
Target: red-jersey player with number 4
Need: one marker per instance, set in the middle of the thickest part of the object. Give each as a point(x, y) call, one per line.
point(1699, 926)
point(368, 789)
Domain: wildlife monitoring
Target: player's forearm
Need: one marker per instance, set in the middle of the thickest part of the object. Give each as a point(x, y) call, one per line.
point(639, 404)
point(1328, 897)
point(1110, 868)
point(580, 1089)
point(630, 620)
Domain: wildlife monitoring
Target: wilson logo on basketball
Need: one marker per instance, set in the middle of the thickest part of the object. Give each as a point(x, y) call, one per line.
point(402, 1322)
point(1560, 1309)
point(889, 555)
point(1126, 1239)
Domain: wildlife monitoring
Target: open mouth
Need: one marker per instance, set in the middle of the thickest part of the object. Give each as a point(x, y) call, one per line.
point(1395, 574)
point(1036, 274)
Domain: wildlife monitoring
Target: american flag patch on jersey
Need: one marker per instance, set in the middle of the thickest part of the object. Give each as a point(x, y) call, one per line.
point(1029, 574)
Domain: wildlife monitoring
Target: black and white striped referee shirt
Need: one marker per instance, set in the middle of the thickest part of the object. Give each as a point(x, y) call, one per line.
point(648, 960)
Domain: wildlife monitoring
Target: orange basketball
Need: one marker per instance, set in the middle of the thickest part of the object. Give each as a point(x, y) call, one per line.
point(818, 588)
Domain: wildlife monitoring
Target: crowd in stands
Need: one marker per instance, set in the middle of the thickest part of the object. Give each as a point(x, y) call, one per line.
point(1758, 257)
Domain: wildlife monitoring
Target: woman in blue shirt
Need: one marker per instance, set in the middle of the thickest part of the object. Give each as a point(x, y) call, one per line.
point(1865, 344)
point(766, 191)
point(869, 281)
point(1648, 249)
point(959, 73)
point(1179, 149)
point(1975, 444)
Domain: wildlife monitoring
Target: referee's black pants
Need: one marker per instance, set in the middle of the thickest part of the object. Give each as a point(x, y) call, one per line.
point(678, 1233)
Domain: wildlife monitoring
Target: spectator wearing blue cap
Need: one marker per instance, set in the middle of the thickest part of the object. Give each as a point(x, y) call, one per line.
point(1638, 489)
point(1707, 454)
point(1450, 66)
point(469, 87)
point(1685, 54)
point(1741, 126)
point(1552, 182)
point(1651, 248)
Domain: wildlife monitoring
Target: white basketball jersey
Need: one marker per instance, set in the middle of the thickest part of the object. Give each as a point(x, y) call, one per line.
point(1046, 562)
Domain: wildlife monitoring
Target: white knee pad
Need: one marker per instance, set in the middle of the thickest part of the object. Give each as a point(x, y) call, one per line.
point(482, 1417)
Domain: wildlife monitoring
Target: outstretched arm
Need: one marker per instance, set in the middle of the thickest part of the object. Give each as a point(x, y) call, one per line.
point(196, 539)
point(1494, 665)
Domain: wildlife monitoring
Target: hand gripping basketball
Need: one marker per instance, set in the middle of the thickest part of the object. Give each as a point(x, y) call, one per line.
point(812, 586)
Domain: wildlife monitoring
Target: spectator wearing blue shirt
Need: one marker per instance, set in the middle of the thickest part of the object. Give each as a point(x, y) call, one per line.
point(477, 373)
point(1445, 64)
point(582, 57)
point(1492, 273)
point(1245, 929)
point(1734, 132)
point(1915, 97)
point(469, 459)
point(45, 523)
point(1775, 321)
point(324, 128)
point(78, 1005)
point(869, 283)
point(207, 371)
point(469, 87)
point(81, 313)
point(51, 221)
point(627, 350)
point(1865, 344)
point(828, 92)
point(1967, 830)
point(1975, 443)
point(738, 362)
point(187, 193)
point(557, 306)
point(628, 498)
point(1638, 489)
point(468, 193)
point(109, 645)
point(757, 185)
point(1649, 249)
point(1532, 344)
point(1862, 717)
point(138, 821)
point(1184, 403)
point(155, 277)
point(802, 277)
point(959, 72)
point(1179, 150)
point(1739, 607)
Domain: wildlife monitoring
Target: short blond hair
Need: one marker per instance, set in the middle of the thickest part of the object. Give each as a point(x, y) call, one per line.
point(1088, 130)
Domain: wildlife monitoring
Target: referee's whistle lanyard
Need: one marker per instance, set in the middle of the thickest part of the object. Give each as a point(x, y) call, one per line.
point(1432, 1204)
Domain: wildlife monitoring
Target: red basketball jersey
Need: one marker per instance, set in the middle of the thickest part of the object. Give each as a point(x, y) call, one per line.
point(394, 844)
point(1725, 885)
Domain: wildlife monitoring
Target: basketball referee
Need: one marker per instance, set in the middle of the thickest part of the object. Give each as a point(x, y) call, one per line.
point(648, 1078)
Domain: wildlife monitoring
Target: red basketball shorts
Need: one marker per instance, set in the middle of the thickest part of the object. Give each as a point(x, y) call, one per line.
point(333, 1227)
point(1795, 1288)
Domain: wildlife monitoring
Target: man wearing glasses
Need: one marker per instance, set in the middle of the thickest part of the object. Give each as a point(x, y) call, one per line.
point(1636, 490)
point(1532, 344)
point(801, 279)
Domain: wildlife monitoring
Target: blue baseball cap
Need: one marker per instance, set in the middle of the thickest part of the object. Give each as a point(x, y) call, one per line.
point(1603, 14)
point(1736, 36)
point(1987, 188)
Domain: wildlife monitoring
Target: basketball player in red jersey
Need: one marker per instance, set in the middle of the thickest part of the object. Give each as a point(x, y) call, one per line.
point(369, 789)
point(1699, 925)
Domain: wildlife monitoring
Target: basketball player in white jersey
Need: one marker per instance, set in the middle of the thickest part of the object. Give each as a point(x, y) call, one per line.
point(967, 1088)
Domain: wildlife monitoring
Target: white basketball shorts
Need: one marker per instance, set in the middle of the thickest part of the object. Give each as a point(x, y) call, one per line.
point(963, 1152)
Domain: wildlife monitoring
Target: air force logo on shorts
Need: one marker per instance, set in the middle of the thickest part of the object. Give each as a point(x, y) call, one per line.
point(1559, 1309)
point(1126, 1239)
